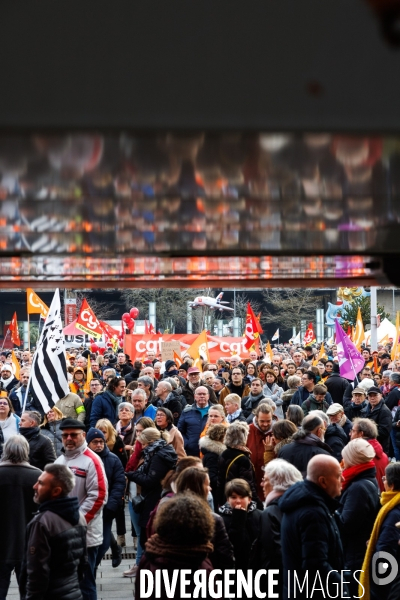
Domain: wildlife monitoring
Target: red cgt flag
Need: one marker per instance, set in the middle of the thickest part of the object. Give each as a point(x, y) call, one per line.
point(253, 328)
point(13, 329)
point(309, 337)
point(88, 322)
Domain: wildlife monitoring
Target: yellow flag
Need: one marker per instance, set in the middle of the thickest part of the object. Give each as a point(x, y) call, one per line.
point(35, 304)
point(359, 331)
point(89, 376)
point(321, 354)
point(199, 349)
point(385, 340)
point(16, 364)
point(396, 345)
point(268, 352)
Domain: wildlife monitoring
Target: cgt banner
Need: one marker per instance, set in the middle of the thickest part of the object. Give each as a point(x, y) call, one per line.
point(218, 347)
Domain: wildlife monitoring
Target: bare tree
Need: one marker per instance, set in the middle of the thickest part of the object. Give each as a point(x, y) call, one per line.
point(290, 306)
point(102, 310)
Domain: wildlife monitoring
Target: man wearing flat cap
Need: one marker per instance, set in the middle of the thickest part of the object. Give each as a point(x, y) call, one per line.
point(378, 412)
point(358, 406)
point(91, 490)
point(336, 415)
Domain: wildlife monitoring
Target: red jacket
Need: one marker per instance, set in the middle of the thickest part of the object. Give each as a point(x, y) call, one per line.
point(381, 462)
point(256, 446)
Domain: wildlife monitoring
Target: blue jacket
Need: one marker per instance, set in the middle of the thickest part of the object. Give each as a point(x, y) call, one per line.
point(104, 407)
point(191, 424)
point(116, 481)
point(302, 394)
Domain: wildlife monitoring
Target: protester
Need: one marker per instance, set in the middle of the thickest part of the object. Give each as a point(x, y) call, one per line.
point(295, 414)
point(51, 429)
point(212, 446)
point(77, 386)
point(310, 538)
point(242, 520)
point(358, 405)
point(9, 421)
point(7, 380)
point(142, 409)
point(168, 398)
point(184, 529)
point(385, 537)
point(336, 385)
point(232, 408)
point(367, 430)
point(378, 412)
point(95, 387)
point(55, 550)
point(316, 400)
point(335, 412)
point(193, 420)
point(165, 422)
point(125, 426)
point(18, 393)
point(193, 383)
point(252, 400)
point(260, 440)
point(91, 492)
point(17, 478)
point(41, 451)
point(116, 490)
point(236, 386)
point(105, 405)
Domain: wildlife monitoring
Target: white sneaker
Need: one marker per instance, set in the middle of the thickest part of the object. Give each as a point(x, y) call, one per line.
point(131, 572)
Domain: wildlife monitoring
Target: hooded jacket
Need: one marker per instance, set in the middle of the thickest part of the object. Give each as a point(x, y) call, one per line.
point(105, 406)
point(310, 539)
point(41, 451)
point(116, 481)
point(57, 534)
point(300, 451)
point(381, 461)
point(90, 488)
point(159, 458)
point(211, 451)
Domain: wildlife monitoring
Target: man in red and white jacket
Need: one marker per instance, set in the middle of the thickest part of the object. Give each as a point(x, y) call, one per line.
point(90, 489)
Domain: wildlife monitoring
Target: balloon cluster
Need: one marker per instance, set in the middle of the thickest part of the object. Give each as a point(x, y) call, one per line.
point(129, 318)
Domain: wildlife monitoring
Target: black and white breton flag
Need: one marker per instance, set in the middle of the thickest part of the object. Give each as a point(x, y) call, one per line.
point(49, 381)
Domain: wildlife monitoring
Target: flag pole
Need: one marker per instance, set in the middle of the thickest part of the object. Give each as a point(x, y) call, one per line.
point(32, 366)
point(4, 341)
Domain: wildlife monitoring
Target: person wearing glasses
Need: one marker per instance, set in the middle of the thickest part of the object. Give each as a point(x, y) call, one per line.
point(91, 490)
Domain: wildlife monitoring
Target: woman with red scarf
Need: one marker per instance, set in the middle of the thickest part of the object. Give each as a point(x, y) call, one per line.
point(359, 504)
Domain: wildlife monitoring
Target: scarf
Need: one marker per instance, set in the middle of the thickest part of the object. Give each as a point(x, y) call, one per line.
point(352, 472)
point(234, 415)
point(389, 500)
point(342, 421)
point(123, 430)
point(156, 545)
point(7, 382)
point(227, 509)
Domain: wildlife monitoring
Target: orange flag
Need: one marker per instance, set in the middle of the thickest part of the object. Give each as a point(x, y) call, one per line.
point(35, 305)
point(16, 364)
point(199, 349)
point(88, 322)
point(13, 329)
point(177, 359)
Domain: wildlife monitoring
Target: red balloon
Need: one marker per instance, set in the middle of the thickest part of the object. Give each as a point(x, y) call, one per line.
point(126, 317)
point(130, 324)
point(94, 347)
point(102, 351)
point(134, 313)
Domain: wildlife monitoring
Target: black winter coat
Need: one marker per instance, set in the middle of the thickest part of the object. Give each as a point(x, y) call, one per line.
point(396, 428)
point(116, 481)
point(175, 402)
point(388, 541)
point(353, 411)
point(119, 450)
point(235, 464)
point(356, 519)
point(211, 451)
point(336, 387)
point(223, 555)
point(243, 527)
point(310, 538)
point(382, 416)
point(16, 507)
point(393, 398)
point(41, 451)
point(336, 439)
point(159, 458)
point(300, 452)
point(58, 535)
point(270, 537)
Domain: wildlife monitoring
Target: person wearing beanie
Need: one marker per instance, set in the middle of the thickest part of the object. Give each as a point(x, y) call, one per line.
point(357, 517)
point(116, 489)
point(170, 369)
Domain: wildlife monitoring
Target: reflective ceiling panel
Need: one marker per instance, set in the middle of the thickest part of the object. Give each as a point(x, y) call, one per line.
point(190, 208)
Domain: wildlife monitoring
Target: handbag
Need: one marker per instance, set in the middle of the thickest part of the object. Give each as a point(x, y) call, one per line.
point(138, 503)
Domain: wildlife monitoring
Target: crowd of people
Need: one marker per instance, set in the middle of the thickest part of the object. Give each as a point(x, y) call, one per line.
point(268, 462)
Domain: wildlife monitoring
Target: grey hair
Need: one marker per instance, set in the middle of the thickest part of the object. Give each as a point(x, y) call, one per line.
point(146, 380)
point(236, 434)
point(126, 405)
point(281, 474)
point(63, 476)
point(219, 408)
point(310, 422)
point(386, 374)
point(234, 398)
point(166, 384)
point(207, 374)
point(173, 383)
point(268, 402)
point(293, 381)
point(139, 392)
point(109, 370)
point(15, 450)
point(395, 377)
point(367, 427)
point(34, 415)
point(320, 413)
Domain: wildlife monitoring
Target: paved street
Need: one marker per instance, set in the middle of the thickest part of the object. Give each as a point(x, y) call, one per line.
point(110, 583)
